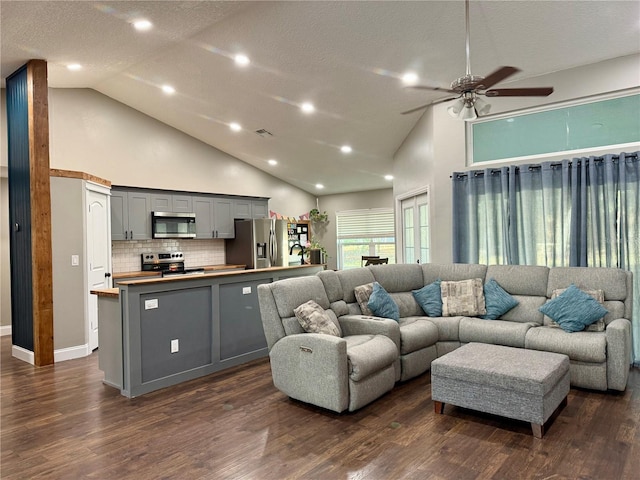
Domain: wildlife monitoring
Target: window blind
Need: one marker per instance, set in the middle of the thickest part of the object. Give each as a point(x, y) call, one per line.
point(374, 222)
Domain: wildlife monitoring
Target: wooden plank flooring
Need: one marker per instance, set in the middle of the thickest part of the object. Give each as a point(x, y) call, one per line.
point(61, 422)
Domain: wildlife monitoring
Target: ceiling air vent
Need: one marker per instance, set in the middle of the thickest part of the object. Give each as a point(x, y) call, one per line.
point(264, 133)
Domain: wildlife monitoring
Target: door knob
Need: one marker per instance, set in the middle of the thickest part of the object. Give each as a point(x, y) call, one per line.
point(107, 275)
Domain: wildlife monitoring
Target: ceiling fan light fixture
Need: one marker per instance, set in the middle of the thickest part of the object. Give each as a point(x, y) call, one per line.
point(468, 113)
point(455, 109)
point(482, 107)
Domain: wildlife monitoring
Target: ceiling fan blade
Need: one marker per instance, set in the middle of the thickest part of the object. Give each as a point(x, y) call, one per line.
point(494, 77)
point(434, 89)
point(422, 107)
point(520, 92)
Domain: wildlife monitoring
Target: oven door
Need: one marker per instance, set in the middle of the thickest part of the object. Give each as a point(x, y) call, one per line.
point(173, 225)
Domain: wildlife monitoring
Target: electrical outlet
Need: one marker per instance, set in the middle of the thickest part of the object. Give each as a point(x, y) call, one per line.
point(152, 303)
point(175, 345)
point(246, 290)
point(75, 260)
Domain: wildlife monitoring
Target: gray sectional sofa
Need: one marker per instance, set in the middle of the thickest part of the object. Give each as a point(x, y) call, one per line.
point(372, 353)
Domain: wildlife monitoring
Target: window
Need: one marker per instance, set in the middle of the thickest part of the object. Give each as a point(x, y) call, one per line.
point(362, 233)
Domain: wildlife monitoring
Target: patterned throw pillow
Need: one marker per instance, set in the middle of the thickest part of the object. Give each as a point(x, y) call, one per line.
point(314, 319)
point(464, 297)
point(363, 292)
point(381, 303)
point(497, 300)
point(429, 299)
point(598, 296)
point(573, 309)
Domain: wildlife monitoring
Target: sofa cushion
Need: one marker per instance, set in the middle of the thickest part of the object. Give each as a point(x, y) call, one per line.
point(363, 293)
point(448, 328)
point(598, 296)
point(402, 277)
point(463, 297)
point(521, 279)
point(292, 292)
point(416, 333)
point(496, 332)
point(350, 279)
point(573, 310)
point(430, 299)
point(497, 300)
point(451, 271)
point(369, 354)
point(588, 347)
point(381, 303)
point(526, 311)
point(407, 305)
point(613, 281)
point(314, 319)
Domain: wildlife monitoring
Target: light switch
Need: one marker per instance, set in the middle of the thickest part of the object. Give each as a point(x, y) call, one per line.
point(75, 260)
point(175, 345)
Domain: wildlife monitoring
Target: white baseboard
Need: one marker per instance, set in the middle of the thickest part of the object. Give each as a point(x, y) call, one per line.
point(59, 355)
point(70, 353)
point(22, 354)
point(5, 330)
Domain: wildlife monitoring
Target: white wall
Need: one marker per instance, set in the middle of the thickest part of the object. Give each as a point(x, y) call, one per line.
point(90, 132)
point(436, 146)
point(346, 201)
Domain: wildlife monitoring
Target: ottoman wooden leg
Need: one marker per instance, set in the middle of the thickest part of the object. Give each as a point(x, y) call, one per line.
point(438, 407)
point(538, 430)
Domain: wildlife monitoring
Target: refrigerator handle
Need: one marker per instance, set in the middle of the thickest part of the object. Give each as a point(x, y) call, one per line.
point(273, 248)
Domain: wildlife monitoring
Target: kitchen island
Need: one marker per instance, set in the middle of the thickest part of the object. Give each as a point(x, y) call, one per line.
point(158, 332)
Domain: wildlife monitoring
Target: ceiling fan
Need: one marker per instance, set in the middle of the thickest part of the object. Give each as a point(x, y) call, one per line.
point(467, 89)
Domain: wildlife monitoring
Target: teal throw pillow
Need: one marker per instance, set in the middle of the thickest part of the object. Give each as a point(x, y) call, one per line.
point(573, 310)
point(430, 299)
point(497, 300)
point(381, 303)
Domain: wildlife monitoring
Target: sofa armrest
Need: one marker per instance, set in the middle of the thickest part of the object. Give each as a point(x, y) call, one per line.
point(368, 325)
point(618, 334)
point(313, 368)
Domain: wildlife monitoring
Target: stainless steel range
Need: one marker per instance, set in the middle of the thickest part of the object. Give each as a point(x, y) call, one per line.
point(168, 263)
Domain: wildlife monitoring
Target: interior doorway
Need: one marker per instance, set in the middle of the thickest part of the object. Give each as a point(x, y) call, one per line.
point(412, 210)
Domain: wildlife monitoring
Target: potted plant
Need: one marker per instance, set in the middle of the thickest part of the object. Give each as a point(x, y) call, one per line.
point(316, 216)
point(316, 254)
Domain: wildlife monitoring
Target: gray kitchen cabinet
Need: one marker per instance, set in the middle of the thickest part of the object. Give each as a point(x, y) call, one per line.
point(166, 202)
point(130, 215)
point(203, 208)
point(223, 218)
point(259, 209)
point(242, 208)
point(214, 217)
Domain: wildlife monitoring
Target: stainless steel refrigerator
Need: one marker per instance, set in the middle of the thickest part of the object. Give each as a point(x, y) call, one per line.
point(259, 243)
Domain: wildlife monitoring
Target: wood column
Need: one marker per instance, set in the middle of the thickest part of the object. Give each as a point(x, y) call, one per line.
point(40, 212)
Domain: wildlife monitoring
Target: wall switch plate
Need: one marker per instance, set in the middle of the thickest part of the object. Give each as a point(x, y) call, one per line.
point(75, 260)
point(149, 304)
point(246, 290)
point(175, 345)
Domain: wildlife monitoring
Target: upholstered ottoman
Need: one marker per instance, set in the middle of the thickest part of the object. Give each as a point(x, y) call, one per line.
point(512, 382)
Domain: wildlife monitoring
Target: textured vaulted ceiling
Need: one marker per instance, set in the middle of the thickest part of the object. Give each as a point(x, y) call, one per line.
point(345, 57)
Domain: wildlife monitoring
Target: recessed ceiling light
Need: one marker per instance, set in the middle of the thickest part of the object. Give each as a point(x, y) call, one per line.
point(388, 177)
point(409, 78)
point(346, 149)
point(319, 186)
point(235, 126)
point(241, 60)
point(74, 67)
point(307, 107)
point(142, 25)
point(272, 162)
point(168, 89)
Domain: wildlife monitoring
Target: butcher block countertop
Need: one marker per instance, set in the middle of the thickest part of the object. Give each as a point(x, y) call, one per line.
point(207, 268)
point(214, 272)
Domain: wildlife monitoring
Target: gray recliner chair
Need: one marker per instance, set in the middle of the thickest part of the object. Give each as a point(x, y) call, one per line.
point(336, 373)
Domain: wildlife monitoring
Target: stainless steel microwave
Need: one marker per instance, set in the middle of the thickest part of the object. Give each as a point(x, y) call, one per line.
point(173, 225)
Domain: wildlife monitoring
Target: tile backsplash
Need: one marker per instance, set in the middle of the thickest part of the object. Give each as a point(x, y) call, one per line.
point(125, 255)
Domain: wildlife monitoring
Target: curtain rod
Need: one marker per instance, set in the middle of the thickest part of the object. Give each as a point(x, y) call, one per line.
point(478, 173)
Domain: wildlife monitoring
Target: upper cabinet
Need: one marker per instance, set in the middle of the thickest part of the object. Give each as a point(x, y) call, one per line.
point(247, 208)
point(130, 215)
point(131, 212)
point(166, 202)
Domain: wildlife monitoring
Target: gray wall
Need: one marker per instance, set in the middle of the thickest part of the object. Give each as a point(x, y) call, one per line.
point(436, 146)
point(67, 238)
point(326, 233)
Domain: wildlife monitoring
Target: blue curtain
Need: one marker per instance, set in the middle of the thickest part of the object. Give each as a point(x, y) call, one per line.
point(580, 212)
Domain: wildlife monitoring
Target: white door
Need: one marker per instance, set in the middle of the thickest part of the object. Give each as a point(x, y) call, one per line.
point(98, 255)
point(415, 229)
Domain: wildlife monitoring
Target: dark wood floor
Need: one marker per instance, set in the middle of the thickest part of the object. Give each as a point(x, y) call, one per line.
point(61, 422)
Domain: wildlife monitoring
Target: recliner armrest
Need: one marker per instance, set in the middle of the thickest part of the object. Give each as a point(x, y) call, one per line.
point(618, 334)
point(368, 325)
